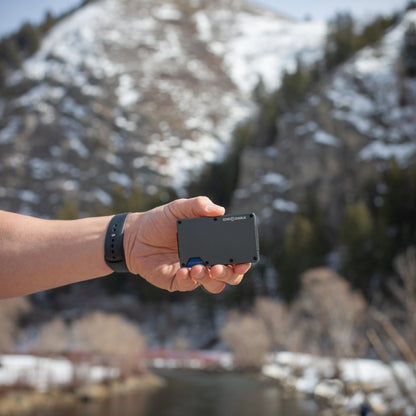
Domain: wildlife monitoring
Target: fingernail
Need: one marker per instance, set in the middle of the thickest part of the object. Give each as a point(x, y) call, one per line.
point(212, 208)
point(199, 275)
point(221, 275)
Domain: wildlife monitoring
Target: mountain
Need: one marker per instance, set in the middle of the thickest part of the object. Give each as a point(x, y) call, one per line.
point(344, 134)
point(137, 94)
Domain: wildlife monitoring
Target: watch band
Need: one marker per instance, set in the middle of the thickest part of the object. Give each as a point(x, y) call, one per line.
point(113, 246)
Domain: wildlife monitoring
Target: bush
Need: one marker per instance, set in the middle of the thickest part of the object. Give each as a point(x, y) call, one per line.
point(117, 341)
point(331, 315)
point(248, 339)
point(10, 312)
point(275, 315)
point(53, 337)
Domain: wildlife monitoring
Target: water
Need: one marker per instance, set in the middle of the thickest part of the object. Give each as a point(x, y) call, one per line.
point(189, 394)
point(200, 394)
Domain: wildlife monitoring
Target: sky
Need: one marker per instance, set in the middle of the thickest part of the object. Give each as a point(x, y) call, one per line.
point(14, 12)
point(325, 9)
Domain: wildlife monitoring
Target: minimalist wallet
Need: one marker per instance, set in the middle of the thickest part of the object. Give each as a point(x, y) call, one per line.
point(228, 239)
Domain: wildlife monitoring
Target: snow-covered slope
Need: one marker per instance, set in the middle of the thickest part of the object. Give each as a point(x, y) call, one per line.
point(137, 93)
point(348, 129)
point(372, 95)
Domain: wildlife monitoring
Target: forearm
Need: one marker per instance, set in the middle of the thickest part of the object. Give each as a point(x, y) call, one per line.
point(37, 254)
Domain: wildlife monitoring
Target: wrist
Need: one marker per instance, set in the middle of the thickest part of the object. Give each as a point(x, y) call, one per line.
point(131, 231)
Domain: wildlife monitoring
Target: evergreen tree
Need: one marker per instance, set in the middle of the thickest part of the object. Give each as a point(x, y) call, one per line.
point(28, 39)
point(409, 51)
point(411, 5)
point(341, 42)
point(218, 180)
point(48, 22)
point(301, 250)
point(399, 205)
point(356, 238)
point(3, 74)
point(375, 30)
point(294, 85)
point(9, 53)
point(266, 121)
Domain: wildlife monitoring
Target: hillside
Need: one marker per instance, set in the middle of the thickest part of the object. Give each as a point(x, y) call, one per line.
point(136, 95)
point(342, 136)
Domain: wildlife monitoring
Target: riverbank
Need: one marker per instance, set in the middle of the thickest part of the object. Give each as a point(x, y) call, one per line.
point(347, 385)
point(29, 383)
point(342, 386)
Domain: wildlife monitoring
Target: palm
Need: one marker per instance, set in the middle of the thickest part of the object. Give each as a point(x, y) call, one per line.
point(152, 251)
point(155, 249)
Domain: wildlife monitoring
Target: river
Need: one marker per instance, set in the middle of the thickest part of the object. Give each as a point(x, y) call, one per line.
point(202, 394)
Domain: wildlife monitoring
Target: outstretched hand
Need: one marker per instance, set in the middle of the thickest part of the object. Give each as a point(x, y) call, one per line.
point(151, 249)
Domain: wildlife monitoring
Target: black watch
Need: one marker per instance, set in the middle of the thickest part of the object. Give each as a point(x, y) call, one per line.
point(113, 246)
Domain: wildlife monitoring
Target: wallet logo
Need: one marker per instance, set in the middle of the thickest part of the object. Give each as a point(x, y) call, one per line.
point(234, 218)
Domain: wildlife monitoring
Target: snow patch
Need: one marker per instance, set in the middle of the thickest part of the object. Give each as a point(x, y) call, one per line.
point(322, 137)
point(167, 12)
point(42, 373)
point(284, 205)
point(379, 150)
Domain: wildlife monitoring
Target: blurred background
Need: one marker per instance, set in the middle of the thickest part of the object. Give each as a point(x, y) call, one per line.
point(305, 115)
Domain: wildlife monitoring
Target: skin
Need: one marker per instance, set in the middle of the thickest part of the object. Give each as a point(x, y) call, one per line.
point(38, 254)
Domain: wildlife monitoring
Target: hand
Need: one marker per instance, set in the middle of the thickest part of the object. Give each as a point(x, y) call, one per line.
point(151, 249)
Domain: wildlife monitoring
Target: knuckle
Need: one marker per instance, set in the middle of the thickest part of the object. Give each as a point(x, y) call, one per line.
point(201, 200)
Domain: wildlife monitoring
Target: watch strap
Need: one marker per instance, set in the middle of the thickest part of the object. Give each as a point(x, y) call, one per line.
point(113, 246)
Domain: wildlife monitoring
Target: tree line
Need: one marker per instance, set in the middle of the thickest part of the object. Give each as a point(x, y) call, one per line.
point(18, 46)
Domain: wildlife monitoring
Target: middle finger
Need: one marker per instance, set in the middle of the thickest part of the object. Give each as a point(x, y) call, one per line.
point(202, 275)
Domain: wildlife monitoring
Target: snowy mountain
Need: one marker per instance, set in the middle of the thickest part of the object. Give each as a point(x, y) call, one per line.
point(137, 93)
point(345, 133)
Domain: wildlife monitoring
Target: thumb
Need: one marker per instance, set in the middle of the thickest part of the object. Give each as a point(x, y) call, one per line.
point(201, 206)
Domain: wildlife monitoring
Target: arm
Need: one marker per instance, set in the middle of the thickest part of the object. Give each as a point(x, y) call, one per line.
point(37, 254)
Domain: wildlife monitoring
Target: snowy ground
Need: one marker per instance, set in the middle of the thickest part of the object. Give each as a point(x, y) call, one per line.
point(43, 373)
point(360, 381)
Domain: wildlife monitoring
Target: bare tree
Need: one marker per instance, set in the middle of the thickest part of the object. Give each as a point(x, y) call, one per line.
point(53, 337)
point(117, 341)
point(10, 311)
point(405, 338)
point(247, 337)
point(405, 265)
point(332, 314)
point(275, 315)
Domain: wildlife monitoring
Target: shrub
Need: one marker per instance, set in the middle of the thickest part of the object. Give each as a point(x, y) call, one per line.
point(331, 314)
point(117, 341)
point(10, 312)
point(53, 337)
point(248, 339)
